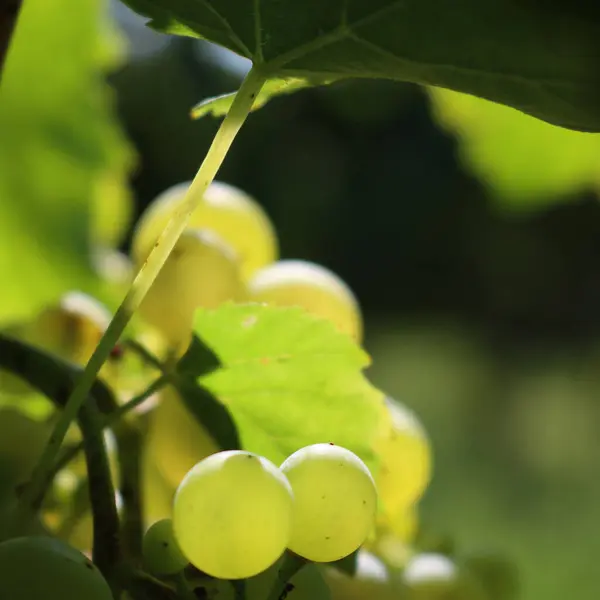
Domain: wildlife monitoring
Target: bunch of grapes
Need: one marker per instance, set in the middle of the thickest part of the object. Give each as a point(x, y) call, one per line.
point(217, 517)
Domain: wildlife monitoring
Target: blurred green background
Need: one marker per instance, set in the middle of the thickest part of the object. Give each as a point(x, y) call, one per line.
point(469, 232)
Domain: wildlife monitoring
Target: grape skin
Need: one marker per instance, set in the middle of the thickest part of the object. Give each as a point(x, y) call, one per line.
point(335, 501)
point(160, 551)
point(201, 271)
point(228, 211)
point(38, 567)
point(232, 514)
point(311, 286)
point(176, 441)
point(405, 469)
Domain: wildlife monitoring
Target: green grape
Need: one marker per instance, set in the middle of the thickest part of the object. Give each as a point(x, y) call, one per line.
point(371, 581)
point(335, 501)
point(38, 567)
point(201, 271)
point(311, 286)
point(176, 441)
point(306, 584)
point(71, 328)
point(232, 514)
point(160, 551)
point(157, 492)
point(405, 468)
point(431, 576)
point(226, 210)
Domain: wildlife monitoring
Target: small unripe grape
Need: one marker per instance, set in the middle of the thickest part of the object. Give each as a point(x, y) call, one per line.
point(312, 287)
point(228, 211)
point(201, 271)
point(405, 456)
point(335, 501)
point(232, 514)
point(176, 441)
point(32, 568)
point(160, 550)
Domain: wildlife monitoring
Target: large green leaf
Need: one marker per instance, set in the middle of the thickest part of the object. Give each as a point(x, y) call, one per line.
point(289, 380)
point(539, 58)
point(62, 158)
point(524, 162)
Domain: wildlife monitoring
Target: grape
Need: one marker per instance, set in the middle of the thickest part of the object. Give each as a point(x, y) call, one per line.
point(38, 567)
point(160, 551)
point(371, 581)
point(405, 456)
point(176, 441)
point(431, 576)
point(311, 286)
point(232, 514)
point(201, 271)
point(71, 328)
point(306, 584)
point(157, 493)
point(226, 210)
point(335, 501)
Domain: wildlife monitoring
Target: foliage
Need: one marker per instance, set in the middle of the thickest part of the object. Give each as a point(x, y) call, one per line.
point(62, 172)
point(548, 69)
point(524, 161)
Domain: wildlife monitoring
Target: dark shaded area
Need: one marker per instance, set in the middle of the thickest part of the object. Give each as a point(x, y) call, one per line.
point(9, 13)
point(358, 177)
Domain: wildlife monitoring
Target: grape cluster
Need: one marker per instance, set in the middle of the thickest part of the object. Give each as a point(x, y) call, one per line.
point(235, 512)
point(231, 515)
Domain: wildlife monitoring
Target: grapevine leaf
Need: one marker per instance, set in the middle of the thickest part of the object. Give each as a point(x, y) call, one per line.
point(63, 161)
point(525, 163)
point(290, 379)
point(198, 359)
point(219, 105)
point(542, 58)
point(210, 413)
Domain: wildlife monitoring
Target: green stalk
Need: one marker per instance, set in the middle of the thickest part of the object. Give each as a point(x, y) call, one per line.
point(229, 128)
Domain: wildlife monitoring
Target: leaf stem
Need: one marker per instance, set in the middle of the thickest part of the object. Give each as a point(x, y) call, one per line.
point(107, 421)
point(106, 547)
point(291, 564)
point(216, 154)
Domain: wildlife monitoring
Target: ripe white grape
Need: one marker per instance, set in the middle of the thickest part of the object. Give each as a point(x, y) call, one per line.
point(160, 550)
point(201, 271)
point(38, 567)
point(176, 441)
point(405, 455)
point(311, 286)
point(71, 328)
point(228, 211)
point(232, 514)
point(335, 501)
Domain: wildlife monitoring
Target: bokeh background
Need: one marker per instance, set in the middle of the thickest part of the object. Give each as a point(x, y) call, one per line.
point(471, 235)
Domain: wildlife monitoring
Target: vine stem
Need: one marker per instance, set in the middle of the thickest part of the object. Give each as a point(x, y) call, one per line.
point(239, 111)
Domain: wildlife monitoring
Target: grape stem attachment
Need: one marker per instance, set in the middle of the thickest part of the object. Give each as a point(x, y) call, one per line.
point(238, 112)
